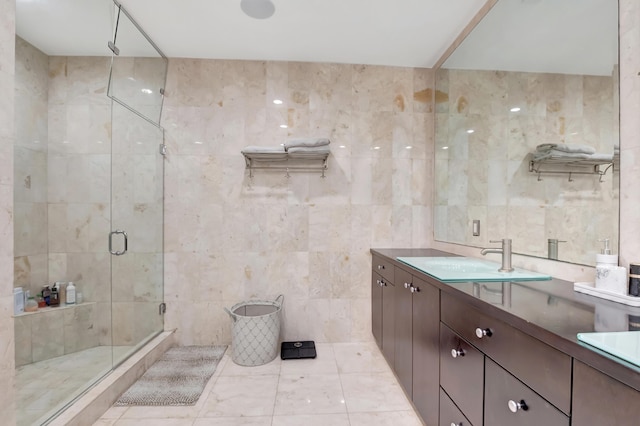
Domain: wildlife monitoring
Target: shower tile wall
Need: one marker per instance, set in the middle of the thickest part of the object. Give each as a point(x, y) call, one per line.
point(7, 138)
point(229, 238)
point(62, 198)
point(30, 191)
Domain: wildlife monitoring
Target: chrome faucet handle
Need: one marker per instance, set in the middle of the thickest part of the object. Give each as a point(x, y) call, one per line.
point(500, 241)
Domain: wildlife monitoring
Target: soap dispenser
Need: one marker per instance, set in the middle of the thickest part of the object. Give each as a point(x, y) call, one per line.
point(610, 276)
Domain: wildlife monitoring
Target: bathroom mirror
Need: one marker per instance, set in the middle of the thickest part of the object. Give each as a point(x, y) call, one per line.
point(531, 72)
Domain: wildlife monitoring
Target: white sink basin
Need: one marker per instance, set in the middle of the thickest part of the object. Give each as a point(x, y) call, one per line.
point(462, 269)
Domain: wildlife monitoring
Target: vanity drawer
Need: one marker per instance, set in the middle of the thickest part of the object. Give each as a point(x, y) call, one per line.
point(383, 267)
point(509, 402)
point(462, 375)
point(450, 414)
point(543, 368)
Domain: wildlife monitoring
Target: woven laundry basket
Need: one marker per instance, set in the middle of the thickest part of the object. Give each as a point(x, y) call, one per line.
point(256, 331)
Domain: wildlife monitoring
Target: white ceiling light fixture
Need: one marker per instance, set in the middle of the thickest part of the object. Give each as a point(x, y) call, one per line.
point(258, 9)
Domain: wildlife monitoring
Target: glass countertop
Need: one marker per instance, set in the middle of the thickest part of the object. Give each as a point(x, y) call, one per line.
point(462, 269)
point(622, 344)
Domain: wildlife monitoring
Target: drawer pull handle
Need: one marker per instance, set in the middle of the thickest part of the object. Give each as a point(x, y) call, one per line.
point(380, 267)
point(457, 352)
point(407, 285)
point(457, 424)
point(515, 406)
point(381, 283)
point(481, 332)
point(415, 289)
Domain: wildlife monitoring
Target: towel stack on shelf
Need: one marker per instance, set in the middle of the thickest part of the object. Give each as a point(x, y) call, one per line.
point(307, 148)
point(568, 153)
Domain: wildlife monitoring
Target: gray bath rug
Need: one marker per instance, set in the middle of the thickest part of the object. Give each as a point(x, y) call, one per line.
point(177, 378)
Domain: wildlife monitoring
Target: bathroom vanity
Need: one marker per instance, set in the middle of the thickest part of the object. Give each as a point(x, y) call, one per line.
point(497, 353)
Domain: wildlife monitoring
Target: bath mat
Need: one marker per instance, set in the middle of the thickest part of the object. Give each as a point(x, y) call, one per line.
point(177, 378)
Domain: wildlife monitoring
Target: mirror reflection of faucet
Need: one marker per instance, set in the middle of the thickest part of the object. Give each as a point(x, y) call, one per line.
point(552, 252)
point(491, 289)
point(505, 251)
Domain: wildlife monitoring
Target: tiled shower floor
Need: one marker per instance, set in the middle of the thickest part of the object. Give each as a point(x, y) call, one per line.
point(46, 386)
point(348, 384)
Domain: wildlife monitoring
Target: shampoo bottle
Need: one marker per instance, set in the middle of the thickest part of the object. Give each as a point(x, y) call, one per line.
point(71, 294)
point(18, 301)
point(610, 276)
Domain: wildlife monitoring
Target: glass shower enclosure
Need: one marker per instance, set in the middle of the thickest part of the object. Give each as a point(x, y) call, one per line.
point(88, 196)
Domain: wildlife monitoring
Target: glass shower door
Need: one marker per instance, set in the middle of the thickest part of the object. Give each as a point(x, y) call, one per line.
point(137, 231)
point(138, 74)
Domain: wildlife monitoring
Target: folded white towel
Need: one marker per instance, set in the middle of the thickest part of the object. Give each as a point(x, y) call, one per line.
point(310, 153)
point(565, 157)
point(305, 143)
point(311, 150)
point(262, 149)
point(571, 148)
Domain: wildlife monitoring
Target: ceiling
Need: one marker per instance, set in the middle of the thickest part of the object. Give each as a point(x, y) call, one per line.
point(412, 33)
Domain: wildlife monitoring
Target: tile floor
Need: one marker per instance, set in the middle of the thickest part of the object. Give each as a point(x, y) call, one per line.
point(348, 384)
point(43, 387)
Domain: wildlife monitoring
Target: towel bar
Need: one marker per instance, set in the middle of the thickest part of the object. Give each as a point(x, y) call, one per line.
point(289, 164)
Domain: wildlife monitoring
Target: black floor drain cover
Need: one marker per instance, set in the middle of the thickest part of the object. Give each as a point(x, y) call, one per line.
point(298, 350)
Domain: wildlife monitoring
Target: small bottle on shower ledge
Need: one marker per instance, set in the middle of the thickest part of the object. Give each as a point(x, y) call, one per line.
point(71, 293)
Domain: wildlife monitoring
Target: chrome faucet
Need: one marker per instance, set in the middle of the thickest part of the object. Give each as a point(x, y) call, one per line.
point(505, 251)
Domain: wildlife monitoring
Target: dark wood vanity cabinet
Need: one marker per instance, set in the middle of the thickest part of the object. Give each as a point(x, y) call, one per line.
point(416, 356)
point(425, 350)
point(376, 308)
point(403, 362)
point(405, 322)
point(466, 364)
point(599, 400)
point(450, 414)
point(508, 401)
point(462, 374)
point(383, 307)
point(544, 369)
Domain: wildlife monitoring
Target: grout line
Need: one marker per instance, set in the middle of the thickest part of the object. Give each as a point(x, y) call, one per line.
point(344, 397)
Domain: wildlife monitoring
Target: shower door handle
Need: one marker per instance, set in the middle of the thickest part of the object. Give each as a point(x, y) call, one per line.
point(111, 234)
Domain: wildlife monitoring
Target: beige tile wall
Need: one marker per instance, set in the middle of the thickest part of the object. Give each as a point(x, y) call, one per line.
point(229, 238)
point(7, 139)
point(30, 168)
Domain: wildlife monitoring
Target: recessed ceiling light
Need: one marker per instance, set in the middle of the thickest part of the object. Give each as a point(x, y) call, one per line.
point(445, 147)
point(198, 142)
point(470, 131)
point(258, 9)
point(65, 141)
point(147, 91)
point(515, 109)
point(277, 101)
point(409, 147)
point(376, 147)
point(342, 146)
point(283, 126)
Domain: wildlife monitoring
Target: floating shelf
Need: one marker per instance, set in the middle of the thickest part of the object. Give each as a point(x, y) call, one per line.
point(578, 167)
point(287, 162)
point(591, 290)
